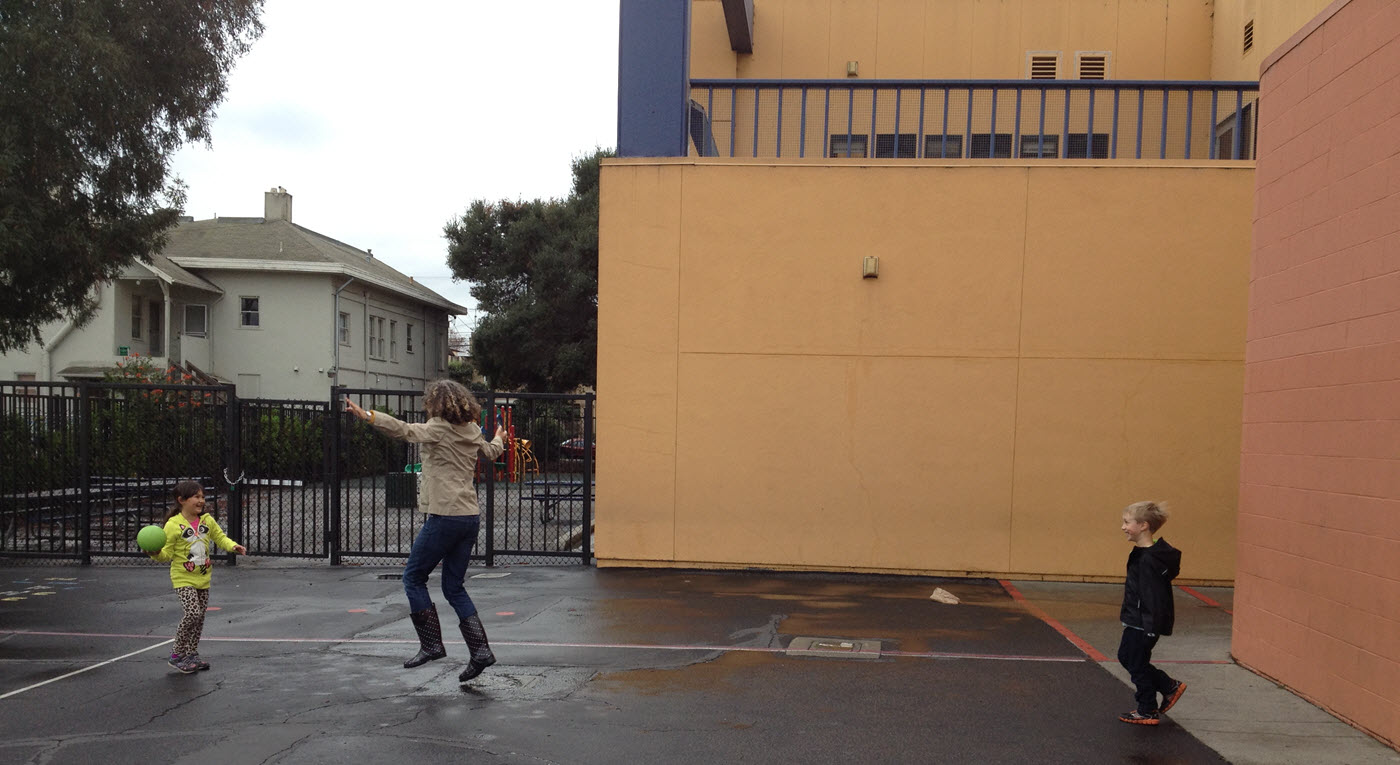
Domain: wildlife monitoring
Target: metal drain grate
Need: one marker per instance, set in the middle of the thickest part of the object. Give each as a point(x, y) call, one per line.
point(839, 648)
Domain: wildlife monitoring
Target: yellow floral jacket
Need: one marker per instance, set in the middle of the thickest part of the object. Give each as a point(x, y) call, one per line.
point(187, 549)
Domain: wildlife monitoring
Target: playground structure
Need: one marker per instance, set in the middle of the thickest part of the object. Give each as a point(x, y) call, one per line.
point(518, 459)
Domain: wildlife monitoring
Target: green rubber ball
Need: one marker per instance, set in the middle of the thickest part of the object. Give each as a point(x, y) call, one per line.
point(151, 539)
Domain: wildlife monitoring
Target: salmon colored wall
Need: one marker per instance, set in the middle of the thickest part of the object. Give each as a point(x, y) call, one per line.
point(1317, 604)
point(954, 39)
point(1043, 346)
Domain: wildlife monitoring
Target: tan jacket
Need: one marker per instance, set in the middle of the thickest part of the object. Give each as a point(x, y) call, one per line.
point(449, 460)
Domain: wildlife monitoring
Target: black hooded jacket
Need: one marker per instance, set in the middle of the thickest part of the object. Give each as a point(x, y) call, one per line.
point(1147, 592)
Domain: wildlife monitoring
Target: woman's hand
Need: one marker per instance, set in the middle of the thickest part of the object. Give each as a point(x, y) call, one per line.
point(240, 549)
point(355, 409)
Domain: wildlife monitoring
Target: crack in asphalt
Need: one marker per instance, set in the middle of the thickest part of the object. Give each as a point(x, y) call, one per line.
point(289, 747)
point(218, 686)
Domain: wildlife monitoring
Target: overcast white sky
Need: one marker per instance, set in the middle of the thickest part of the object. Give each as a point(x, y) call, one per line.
point(385, 120)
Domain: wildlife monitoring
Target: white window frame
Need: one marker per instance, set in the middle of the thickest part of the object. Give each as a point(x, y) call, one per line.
point(185, 320)
point(137, 311)
point(343, 328)
point(393, 341)
point(408, 338)
point(244, 314)
point(376, 333)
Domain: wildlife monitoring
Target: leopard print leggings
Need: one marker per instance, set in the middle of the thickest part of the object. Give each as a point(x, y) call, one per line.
point(195, 602)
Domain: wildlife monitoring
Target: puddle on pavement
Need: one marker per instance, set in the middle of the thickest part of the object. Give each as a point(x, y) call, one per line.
point(730, 673)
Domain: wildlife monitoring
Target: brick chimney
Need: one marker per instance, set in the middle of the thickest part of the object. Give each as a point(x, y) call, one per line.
point(277, 205)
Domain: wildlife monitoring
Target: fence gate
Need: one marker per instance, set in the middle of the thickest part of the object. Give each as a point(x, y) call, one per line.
point(83, 466)
point(536, 499)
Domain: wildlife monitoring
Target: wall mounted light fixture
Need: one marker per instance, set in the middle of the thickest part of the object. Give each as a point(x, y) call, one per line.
point(870, 267)
point(852, 68)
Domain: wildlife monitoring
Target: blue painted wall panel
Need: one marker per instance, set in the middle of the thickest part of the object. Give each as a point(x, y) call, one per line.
point(653, 78)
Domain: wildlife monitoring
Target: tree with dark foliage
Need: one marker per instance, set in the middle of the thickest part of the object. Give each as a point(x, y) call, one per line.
point(95, 98)
point(534, 273)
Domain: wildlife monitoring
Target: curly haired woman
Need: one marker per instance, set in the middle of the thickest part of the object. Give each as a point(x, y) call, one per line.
point(451, 442)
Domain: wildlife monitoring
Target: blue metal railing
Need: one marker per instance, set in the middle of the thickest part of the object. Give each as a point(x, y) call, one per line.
point(998, 119)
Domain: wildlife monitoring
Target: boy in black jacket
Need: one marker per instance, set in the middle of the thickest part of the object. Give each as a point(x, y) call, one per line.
point(1148, 611)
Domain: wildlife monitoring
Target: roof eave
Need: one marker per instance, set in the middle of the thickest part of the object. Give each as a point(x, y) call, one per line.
point(305, 267)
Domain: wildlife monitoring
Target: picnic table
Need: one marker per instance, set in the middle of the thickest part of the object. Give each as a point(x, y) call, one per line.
point(549, 495)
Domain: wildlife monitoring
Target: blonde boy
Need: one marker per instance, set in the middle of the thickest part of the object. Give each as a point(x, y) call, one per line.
point(1148, 611)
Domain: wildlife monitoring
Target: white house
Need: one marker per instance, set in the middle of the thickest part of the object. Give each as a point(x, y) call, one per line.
point(282, 311)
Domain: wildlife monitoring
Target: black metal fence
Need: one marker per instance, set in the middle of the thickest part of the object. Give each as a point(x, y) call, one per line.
point(83, 466)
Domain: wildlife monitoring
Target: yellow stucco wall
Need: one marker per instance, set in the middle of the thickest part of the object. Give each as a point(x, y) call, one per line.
point(1274, 22)
point(1044, 345)
point(955, 39)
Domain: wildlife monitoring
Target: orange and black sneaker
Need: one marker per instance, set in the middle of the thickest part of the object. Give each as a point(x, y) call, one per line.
point(1170, 699)
point(1138, 718)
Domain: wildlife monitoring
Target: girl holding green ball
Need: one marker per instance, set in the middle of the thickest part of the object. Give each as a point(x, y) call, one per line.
point(189, 532)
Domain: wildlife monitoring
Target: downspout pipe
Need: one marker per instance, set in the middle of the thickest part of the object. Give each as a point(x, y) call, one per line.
point(335, 330)
point(52, 345)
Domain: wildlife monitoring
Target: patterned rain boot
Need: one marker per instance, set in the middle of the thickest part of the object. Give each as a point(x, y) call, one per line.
point(481, 657)
point(429, 630)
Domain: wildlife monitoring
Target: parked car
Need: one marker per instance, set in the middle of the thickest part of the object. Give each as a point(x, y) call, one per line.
point(573, 448)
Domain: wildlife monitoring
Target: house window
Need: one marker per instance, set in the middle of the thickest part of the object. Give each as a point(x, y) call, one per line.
point(248, 313)
point(136, 317)
point(982, 146)
point(1040, 146)
point(1079, 144)
point(1042, 64)
point(889, 145)
point(393, 341)
point(343, 328)
point(848, 145)
point(408, 338)
point(196, 320)
point(1248, 35)
point(1092, 65)
point(376, 336)
point(943, 146)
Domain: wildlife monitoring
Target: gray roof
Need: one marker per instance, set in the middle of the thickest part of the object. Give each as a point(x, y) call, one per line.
point(165, 269)
point(255, 244)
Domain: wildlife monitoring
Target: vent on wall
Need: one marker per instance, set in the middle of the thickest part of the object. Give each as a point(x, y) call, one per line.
point(1248, 35)
point(1042, 65)
point(1092, 65)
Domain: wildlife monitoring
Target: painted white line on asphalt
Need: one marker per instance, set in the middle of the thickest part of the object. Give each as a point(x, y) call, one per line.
point(85, 669)
point(554, 644)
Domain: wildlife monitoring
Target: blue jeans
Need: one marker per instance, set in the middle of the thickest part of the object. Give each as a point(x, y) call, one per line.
point(446, 539)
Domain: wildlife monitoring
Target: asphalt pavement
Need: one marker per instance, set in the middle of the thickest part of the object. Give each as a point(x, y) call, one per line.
point(624, 665)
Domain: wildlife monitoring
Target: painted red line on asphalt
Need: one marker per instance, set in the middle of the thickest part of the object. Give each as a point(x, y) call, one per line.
point(985, 656)
point(544, 644)
point(1039, 613)
point(1204, 599)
